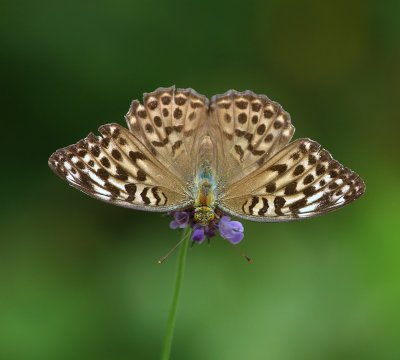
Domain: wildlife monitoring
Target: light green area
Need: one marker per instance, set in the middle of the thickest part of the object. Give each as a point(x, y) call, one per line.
point(79, 278)
point(180, 271)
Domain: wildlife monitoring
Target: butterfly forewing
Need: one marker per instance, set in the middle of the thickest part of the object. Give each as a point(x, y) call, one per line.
point(302, 180)
point(118, 168)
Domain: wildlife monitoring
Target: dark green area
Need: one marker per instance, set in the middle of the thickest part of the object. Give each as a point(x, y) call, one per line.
point(79, 278)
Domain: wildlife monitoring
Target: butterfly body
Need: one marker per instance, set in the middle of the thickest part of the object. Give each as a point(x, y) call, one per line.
point(205, 194)
point(231, 154)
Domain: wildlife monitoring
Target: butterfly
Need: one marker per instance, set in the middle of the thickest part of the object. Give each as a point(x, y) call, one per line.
point(230, 155)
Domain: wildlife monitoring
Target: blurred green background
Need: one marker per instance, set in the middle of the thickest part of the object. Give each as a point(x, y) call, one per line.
point(79, 278)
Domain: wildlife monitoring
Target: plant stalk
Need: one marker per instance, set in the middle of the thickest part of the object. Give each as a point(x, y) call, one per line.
point(166, 350)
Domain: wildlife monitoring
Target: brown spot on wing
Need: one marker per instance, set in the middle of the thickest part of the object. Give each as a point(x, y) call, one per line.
point(255, 106)
point(177, 113)
point(239, 151)
point(271, 187)
point(95, 150)
point(308, 179)
point(131, 190)
point(116, 154)
point(152, 104)
point(105, 162)
point(241, 104)
point(320, 169)
point(112, 189)
point(144, 197)
point(254, 202)
point(291, 188)
point(310, 190)
point(154, 191)
point(242, 118)
point(312, 159)
point(141, 175)
point(333, 186)
point(180, 100)
point(261, 129)
point(142, 113)
point(279, 203)
point(298, 170)
point(264, 209)
point(297, 205)
point(102, 174)
point(268, 114)
point(121, 173)
point(157, 121)
point(105, 142)
point(196, 104)
point(149, 128)
point(166, 100)
point(136, 155)
point(280, 168)
point(268, 138)
point(295, 156)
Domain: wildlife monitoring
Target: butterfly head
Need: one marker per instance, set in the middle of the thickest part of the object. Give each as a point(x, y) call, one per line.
point(204, 215)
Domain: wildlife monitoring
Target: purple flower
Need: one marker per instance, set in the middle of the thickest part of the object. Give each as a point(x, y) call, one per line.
point(198, 234)
point(231, 230)
point(228, 229)
point(181, 220)
point(210, 231)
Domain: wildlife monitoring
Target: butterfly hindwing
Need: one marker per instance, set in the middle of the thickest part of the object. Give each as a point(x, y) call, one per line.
point(168, 123)
point(252, 129)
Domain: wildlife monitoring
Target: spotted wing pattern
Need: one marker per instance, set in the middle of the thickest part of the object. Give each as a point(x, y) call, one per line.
point(302, 180)
point(117, 167)
point(170, 124)
point(251, 129)
point(152, 165)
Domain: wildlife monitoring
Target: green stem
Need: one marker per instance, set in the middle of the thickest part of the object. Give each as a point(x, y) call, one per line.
point(166, 351)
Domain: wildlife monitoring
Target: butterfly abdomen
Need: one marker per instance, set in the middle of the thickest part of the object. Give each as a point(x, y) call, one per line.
point(205, 188)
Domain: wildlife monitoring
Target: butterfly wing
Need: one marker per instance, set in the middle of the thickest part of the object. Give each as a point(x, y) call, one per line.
point(250, 128)
point(170, 125)
point(116, 167)
point(302, 180)
point(147, 167)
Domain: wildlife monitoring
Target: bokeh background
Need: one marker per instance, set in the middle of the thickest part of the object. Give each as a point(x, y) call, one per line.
point(79, 278)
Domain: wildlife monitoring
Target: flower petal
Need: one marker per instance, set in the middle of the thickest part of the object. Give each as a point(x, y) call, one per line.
point(198, 234)
point(231, 230)
point(182, 218)
point(237, 226)
point(173, 225)
point(236, 238)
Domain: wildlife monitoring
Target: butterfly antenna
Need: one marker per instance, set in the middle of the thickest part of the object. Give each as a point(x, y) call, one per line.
point(162, 259)
point(248, 258)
